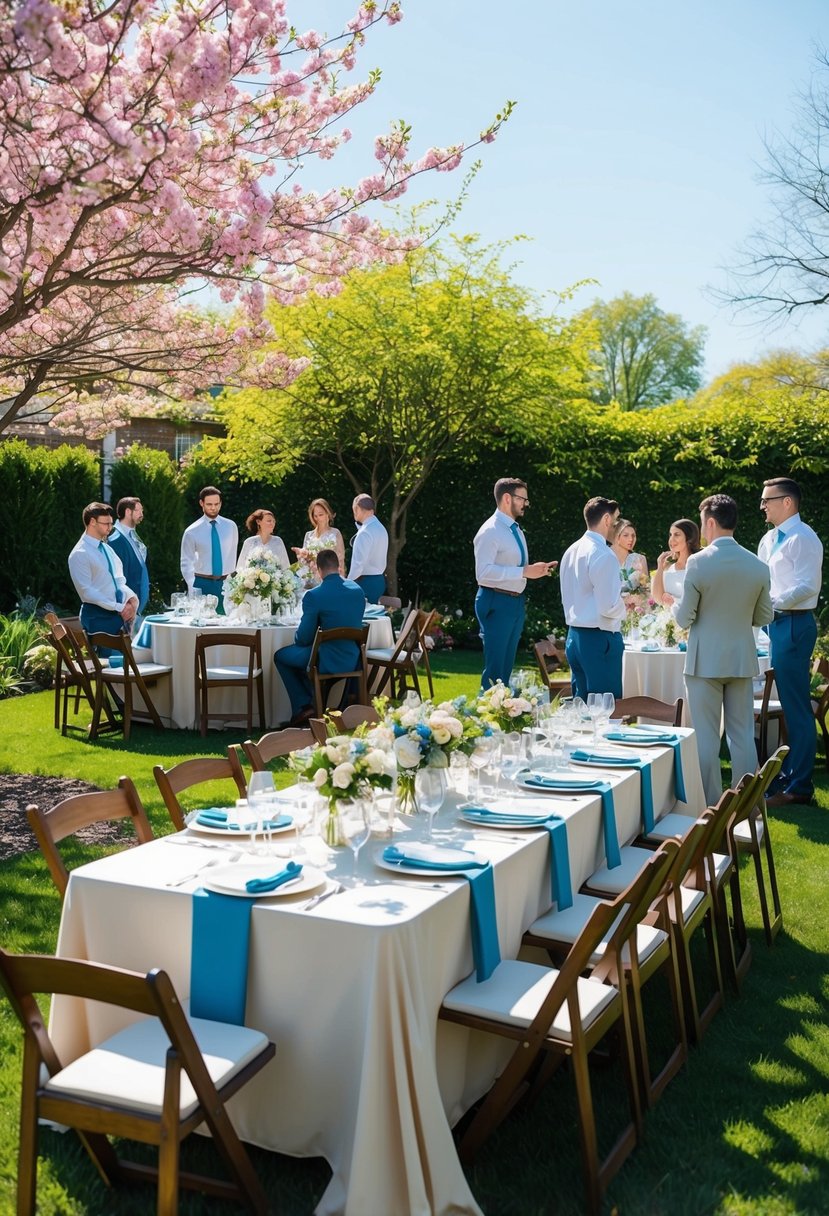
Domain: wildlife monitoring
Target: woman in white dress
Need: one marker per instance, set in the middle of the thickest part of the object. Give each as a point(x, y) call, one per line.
point(323, 535)
point(633, 567)
point(261, 525)
point(669, 579)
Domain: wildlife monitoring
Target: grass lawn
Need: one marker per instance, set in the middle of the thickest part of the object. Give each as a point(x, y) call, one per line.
point(743, 1130)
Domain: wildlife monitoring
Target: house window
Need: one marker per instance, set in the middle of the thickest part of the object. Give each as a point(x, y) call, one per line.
point(185, 443)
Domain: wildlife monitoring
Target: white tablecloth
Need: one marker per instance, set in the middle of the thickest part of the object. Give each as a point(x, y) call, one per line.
point(659, 673)
point(365, 1074)
point(174, 644)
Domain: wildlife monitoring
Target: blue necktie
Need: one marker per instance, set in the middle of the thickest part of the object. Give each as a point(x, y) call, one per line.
point(519, 540)
point(215, 549)
point(105, 550)
point(778, 541)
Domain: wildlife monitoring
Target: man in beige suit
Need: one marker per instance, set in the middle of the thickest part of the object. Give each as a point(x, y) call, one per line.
point(726, 592)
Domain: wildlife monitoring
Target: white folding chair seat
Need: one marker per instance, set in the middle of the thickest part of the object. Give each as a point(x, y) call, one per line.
point(614, 881)
point(717, 866)
point(690, 899)
point(515, 991)
point(566, 926)
point(671, 825)
point(742, 832)
point(128, 1069)
point(231, 672)
point(381, 652)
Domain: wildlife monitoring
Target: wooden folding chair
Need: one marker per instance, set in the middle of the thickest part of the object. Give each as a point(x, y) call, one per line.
point(155, 1081)
point(330, 678)
point(276, 743)
point(634, 708)
point(132, 675)
point(820, 703)
point(342, 722)
point(391, 603)
point(425, 621)
point(229, 675)
point(396, 665)
point(748, 832)
point(186, 774)
point(553, 1014)
point(767, 709)
point(550, 658)
point(80, 811)
point(74, 675)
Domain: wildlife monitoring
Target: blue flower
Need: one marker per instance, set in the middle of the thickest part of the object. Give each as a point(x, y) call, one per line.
point(399, 730)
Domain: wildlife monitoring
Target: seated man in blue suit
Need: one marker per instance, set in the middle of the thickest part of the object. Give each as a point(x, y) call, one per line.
point(336, 603)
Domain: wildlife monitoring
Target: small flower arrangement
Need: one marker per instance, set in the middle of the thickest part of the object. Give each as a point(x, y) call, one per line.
point(306, 568)
point(262, 577)
point(633, 580)
point(349, 766)
point(659, 626)
point(39, 665)
point(510, 709)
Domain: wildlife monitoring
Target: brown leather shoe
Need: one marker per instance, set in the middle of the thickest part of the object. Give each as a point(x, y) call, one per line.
point(784, 799)
point(301, 717)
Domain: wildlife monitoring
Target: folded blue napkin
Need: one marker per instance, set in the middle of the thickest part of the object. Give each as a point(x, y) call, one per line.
point(486, 951)
point(215, 817)
point(261, 886)
point(561, 890)
point(645, 734)
point(651, 646)
point(645, 782)
point(219, 956)
point(145, 633)
point(373, 612)
point(577, 785)
point(116, 661)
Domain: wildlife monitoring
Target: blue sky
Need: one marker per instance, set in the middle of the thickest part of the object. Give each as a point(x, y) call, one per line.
point(634, 153)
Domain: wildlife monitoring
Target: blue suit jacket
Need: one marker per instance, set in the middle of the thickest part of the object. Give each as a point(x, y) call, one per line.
point(135, 571)
point(336, 603)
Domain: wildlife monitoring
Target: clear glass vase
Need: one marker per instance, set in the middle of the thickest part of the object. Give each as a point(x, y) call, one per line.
point(406, 793)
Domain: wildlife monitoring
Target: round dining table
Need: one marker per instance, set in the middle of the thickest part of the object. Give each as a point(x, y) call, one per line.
point(658, 672)
point(173, 643)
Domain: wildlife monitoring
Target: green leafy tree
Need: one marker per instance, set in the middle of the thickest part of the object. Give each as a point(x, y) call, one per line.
point(411, 365)
point(643, 356)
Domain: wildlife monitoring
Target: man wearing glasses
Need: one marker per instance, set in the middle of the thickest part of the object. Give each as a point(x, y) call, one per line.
point(108, 604)
point(794, 556)
point(502, 568)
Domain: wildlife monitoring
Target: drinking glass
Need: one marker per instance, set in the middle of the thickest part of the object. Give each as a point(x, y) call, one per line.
point(261, 794)
point(430, 784)
point(354, 827)
point(595, 710)
point(481, 756)
point(511, 758)
point(608, 707)
point(178, 603)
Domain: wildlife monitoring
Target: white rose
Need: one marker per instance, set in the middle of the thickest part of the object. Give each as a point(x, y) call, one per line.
point(375, 761)
point(250, 578)
point(320, 777)
point(342, 775)
point(407, 751)
point(440, 731)
point(410, 717)
point(455, 727)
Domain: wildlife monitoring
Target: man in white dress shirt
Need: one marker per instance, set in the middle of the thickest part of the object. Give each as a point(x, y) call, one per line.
point(502, 569)
point(794, 556)
point(208, 548)
point(725, 595)
point(107, 602)
point(369, 550)
point(591, 592)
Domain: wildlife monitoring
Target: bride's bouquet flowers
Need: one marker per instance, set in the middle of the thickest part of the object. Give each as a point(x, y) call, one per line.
point(510, 709)
point(306, 567)
point(263, 577)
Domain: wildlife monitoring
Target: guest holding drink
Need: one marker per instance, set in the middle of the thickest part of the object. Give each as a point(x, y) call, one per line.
point(261, 525)
point(323, 535)
point(633, 566)
point(669, 578)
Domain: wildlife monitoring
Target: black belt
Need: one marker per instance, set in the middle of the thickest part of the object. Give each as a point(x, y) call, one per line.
point(501, 591)
point(794, 612)
point(213, 577)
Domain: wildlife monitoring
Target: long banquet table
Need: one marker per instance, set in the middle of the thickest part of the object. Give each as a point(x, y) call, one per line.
point(173, 643)
point(364, 1075)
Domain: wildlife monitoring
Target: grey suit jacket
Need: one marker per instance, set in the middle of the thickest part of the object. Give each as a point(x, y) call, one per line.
point(726, 592)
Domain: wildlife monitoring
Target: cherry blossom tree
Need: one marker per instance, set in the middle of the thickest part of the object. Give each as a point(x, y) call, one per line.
point(150, 147)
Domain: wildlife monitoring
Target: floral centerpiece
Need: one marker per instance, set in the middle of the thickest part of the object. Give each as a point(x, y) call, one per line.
point(349, 766)
point(656, 624)
point(264, 579)
point(306, 568)
point(508, 708)
point(425, 735)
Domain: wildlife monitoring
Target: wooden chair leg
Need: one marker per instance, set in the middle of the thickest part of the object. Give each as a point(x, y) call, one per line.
point(770, 925)
point(127, 717)
point(260, 688)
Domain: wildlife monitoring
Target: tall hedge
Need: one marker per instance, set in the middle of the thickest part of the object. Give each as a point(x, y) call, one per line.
point(154, 478)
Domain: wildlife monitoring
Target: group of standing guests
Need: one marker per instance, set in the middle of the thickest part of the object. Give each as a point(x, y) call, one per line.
point(719, 591)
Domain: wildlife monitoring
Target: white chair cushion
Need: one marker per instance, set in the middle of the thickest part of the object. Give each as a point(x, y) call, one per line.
point(128, 1068)
point(743, 836)
point(671, 825)
point(373, 655)
point(721, 864)
point(514, 993)
point(231, 673)
point(773, 707)
point(690, 898)
point(620, 877)
point(565, 927)
point(151, 670)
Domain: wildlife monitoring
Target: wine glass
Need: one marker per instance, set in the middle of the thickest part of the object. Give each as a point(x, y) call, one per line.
point(608, 707)
point(481, 756)
point(261, 793)
point(430, 784)
point(353, 818)
point(595, 710)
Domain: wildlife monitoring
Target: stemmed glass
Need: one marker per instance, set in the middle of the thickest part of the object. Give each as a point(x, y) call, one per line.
point(608, 707)
point(430, 785)
point(261, 794)
point(480, 758)
point(595, 709)
point(354, 821)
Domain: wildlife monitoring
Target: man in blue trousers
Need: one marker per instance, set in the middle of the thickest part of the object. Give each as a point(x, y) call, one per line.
point(502, 568)
point(591, 592)
point(108, 603)
point(132, 551)
point(794, 556)
point(336, 603)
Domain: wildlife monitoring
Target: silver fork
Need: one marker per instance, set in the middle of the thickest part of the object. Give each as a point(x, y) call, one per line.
point(214, 861)
point(337, 889)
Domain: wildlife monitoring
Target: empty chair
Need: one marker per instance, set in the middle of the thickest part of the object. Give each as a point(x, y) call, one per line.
point(276, 743)
point(339, 722)
point(80, 811)
point(650, 707)
point(188, 773)
point(210, 677)
point(396, 666)
point(130, 675)
point(767, 709)
point(748, 832)
point(322, 681)
point(550, 658)
point(820, 702)
point(74, 673)
point(155, 1081)
point(425, 621)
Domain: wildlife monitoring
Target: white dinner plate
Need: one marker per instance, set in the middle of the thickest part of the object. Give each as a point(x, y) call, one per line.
point(230, 879)
point(232, 833)
point(564, 784)
point(494, 821)
point(611, 761)
point(642, 741)
point(442, 853)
